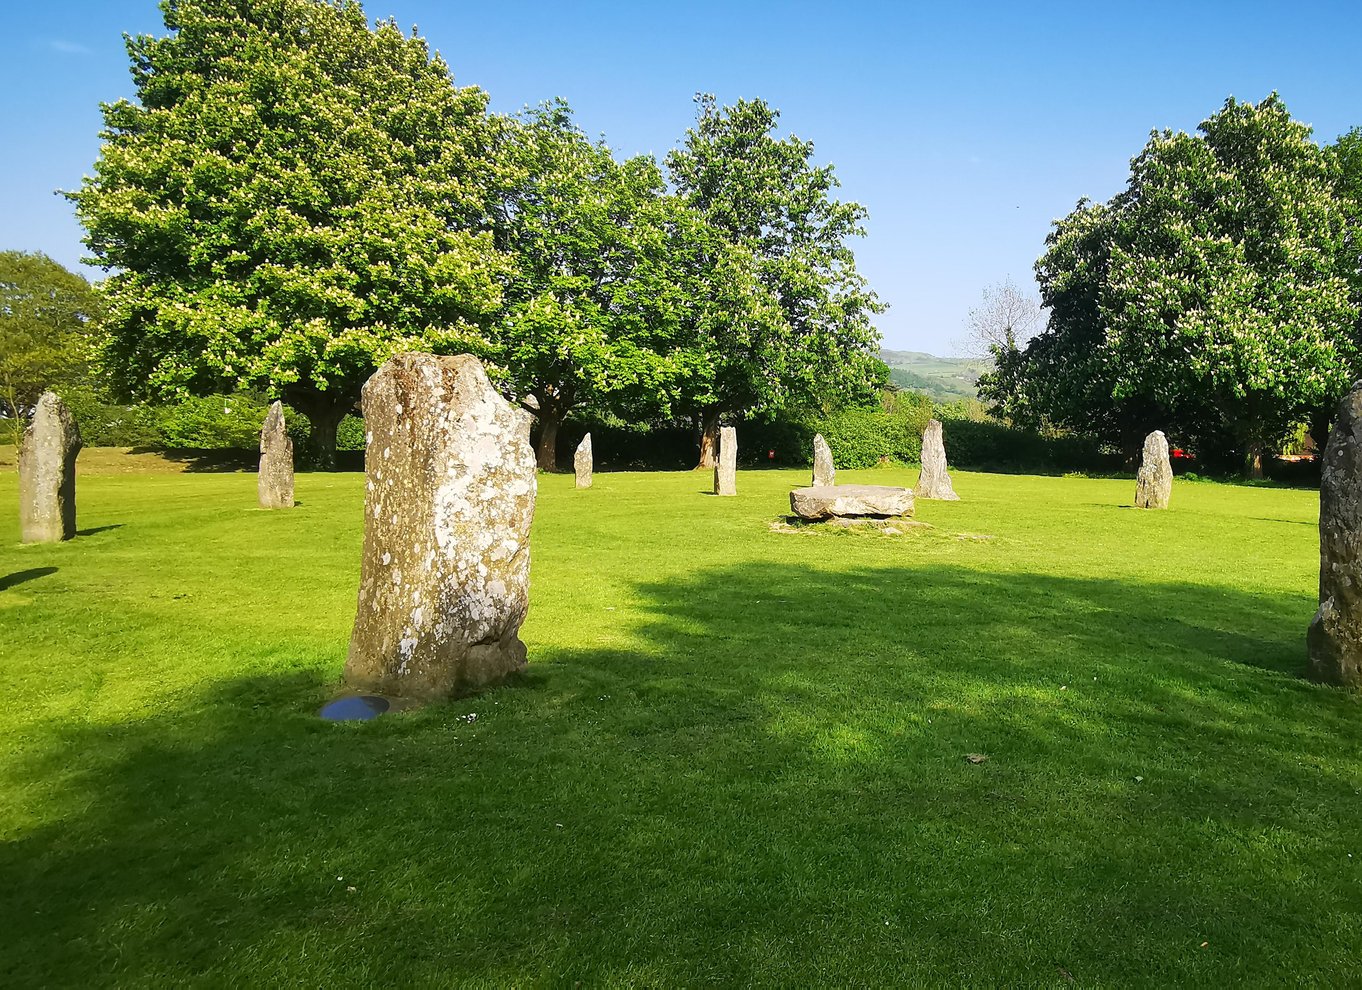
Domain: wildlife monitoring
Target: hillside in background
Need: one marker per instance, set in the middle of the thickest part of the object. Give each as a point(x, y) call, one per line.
point(943, 379)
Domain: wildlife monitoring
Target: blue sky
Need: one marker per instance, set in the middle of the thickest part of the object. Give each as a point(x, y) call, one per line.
point(965, 129)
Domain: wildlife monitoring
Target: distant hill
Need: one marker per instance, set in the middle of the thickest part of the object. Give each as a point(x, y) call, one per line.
point(944, 379)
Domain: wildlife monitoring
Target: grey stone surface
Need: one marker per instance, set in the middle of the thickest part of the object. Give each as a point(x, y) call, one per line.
point(581, 462)
point(726, 471)
point(1154, 480)
point(824, 471)
point(1334, 641)
point(934, 481)
point(450, 491)
point(275, 484)
point(840, 501)
point(47, 473)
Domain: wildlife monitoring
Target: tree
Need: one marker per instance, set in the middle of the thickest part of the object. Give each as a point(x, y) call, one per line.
point(292, 198)
point(599, 312)
point(48, 321)
point(1006, 317)
point(1211, 298)
point(805, 334)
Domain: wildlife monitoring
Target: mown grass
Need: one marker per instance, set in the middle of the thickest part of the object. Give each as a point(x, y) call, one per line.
point(737, 757)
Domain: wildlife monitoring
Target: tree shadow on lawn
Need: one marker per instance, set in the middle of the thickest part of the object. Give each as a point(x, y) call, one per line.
point(19, 577)
point(769, 788)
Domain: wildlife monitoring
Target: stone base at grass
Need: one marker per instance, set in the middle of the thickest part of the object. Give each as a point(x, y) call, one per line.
point(842, 501)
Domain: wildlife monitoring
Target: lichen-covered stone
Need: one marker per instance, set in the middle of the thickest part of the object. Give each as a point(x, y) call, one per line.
point(1335, 637)
point(846, 501)
point(824, 472)
point(726, 471)
point(47, 473)
point(1154, 480)
point(934, 480)
point(450, 491)
point(275, 483)
point(581, 462)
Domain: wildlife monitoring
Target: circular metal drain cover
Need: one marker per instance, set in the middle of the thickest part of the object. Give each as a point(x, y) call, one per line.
point(357, 708)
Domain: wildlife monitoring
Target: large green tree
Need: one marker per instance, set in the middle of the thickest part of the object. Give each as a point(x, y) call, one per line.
point(49, 319)
point(292, 197)
point(770, 201)
point(599, 310)
point(1211, 298)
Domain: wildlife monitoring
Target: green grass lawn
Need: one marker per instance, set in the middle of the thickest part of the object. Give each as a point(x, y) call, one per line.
point(737, 757)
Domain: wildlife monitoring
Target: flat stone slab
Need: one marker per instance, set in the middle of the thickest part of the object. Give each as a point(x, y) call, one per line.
point(843, 501)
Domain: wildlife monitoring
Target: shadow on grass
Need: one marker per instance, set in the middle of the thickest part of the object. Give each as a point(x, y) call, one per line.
point(228, 460)
point(208, 460)
point(19, 577)
point(767, 786)
point(99, 529)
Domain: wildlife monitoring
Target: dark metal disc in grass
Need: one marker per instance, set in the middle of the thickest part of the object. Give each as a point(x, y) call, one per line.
point(356, 708)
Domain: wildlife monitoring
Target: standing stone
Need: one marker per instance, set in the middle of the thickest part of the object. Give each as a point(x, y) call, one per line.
point(581, 461)
point(1335, 637)
point(450, 489)
point(1154, 481)
point(275, 484)
point(726, 471)
point(824, 472)
point(933, 480)
point(47, 473)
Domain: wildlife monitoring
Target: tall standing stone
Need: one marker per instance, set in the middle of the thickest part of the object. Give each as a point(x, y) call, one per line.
point(726, 471)
point(934, 480)
point(275, 484)
point(824, 472)
point(581, 462)
point(450, 489)
point(1335, 637)
point(1154, 480)
point(47, 473)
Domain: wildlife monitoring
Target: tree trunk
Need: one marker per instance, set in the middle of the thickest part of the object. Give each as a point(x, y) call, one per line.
point(325, 423)
point(709, 440)
point(547, 454)
point(324, 413)
point(1319, 430)
point(1253, 463)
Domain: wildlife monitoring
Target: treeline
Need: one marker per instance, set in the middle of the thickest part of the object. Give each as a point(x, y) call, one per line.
point(1216, 298)
point(295, 195)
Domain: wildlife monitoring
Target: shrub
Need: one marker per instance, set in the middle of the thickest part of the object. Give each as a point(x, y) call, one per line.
point(984, 446)
point(859, 437)
point(214, 422)
point(350, 434)
point(103, 424)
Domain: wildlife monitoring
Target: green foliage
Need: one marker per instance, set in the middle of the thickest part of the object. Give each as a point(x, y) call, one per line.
point(804, 334)
point(48, 321)
point(212, 421)
point(106, 424)
point(990, 446)
point(859, 436)
point(292, 198)
point(1213, 298)
point(598, 312)
point(350, 434)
